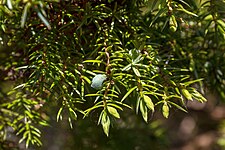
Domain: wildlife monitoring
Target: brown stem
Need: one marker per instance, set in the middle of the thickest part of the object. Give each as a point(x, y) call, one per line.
point(105, 95)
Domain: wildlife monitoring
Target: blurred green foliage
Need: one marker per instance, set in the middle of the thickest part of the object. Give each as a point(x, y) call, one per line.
point(155, 56)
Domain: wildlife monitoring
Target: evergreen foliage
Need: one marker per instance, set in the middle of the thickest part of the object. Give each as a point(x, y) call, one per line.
point(103, 56)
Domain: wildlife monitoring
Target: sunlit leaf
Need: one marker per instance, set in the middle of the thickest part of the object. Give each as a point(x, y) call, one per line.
point(176, 105)
point(137, 73)
point(128, 93)
point(186, 93)
point(43, 19)
point(181, 8)
point(144, 110)
point(148, 102)
point(113, 111)
point(92, 61)
point(73, 114)
point(24, 15)
point(165, 110)
point(59, 116)
point(9, 4)
point(105, 121)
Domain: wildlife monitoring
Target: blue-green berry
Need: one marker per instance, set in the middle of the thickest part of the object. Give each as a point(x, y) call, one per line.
point(97, 81)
